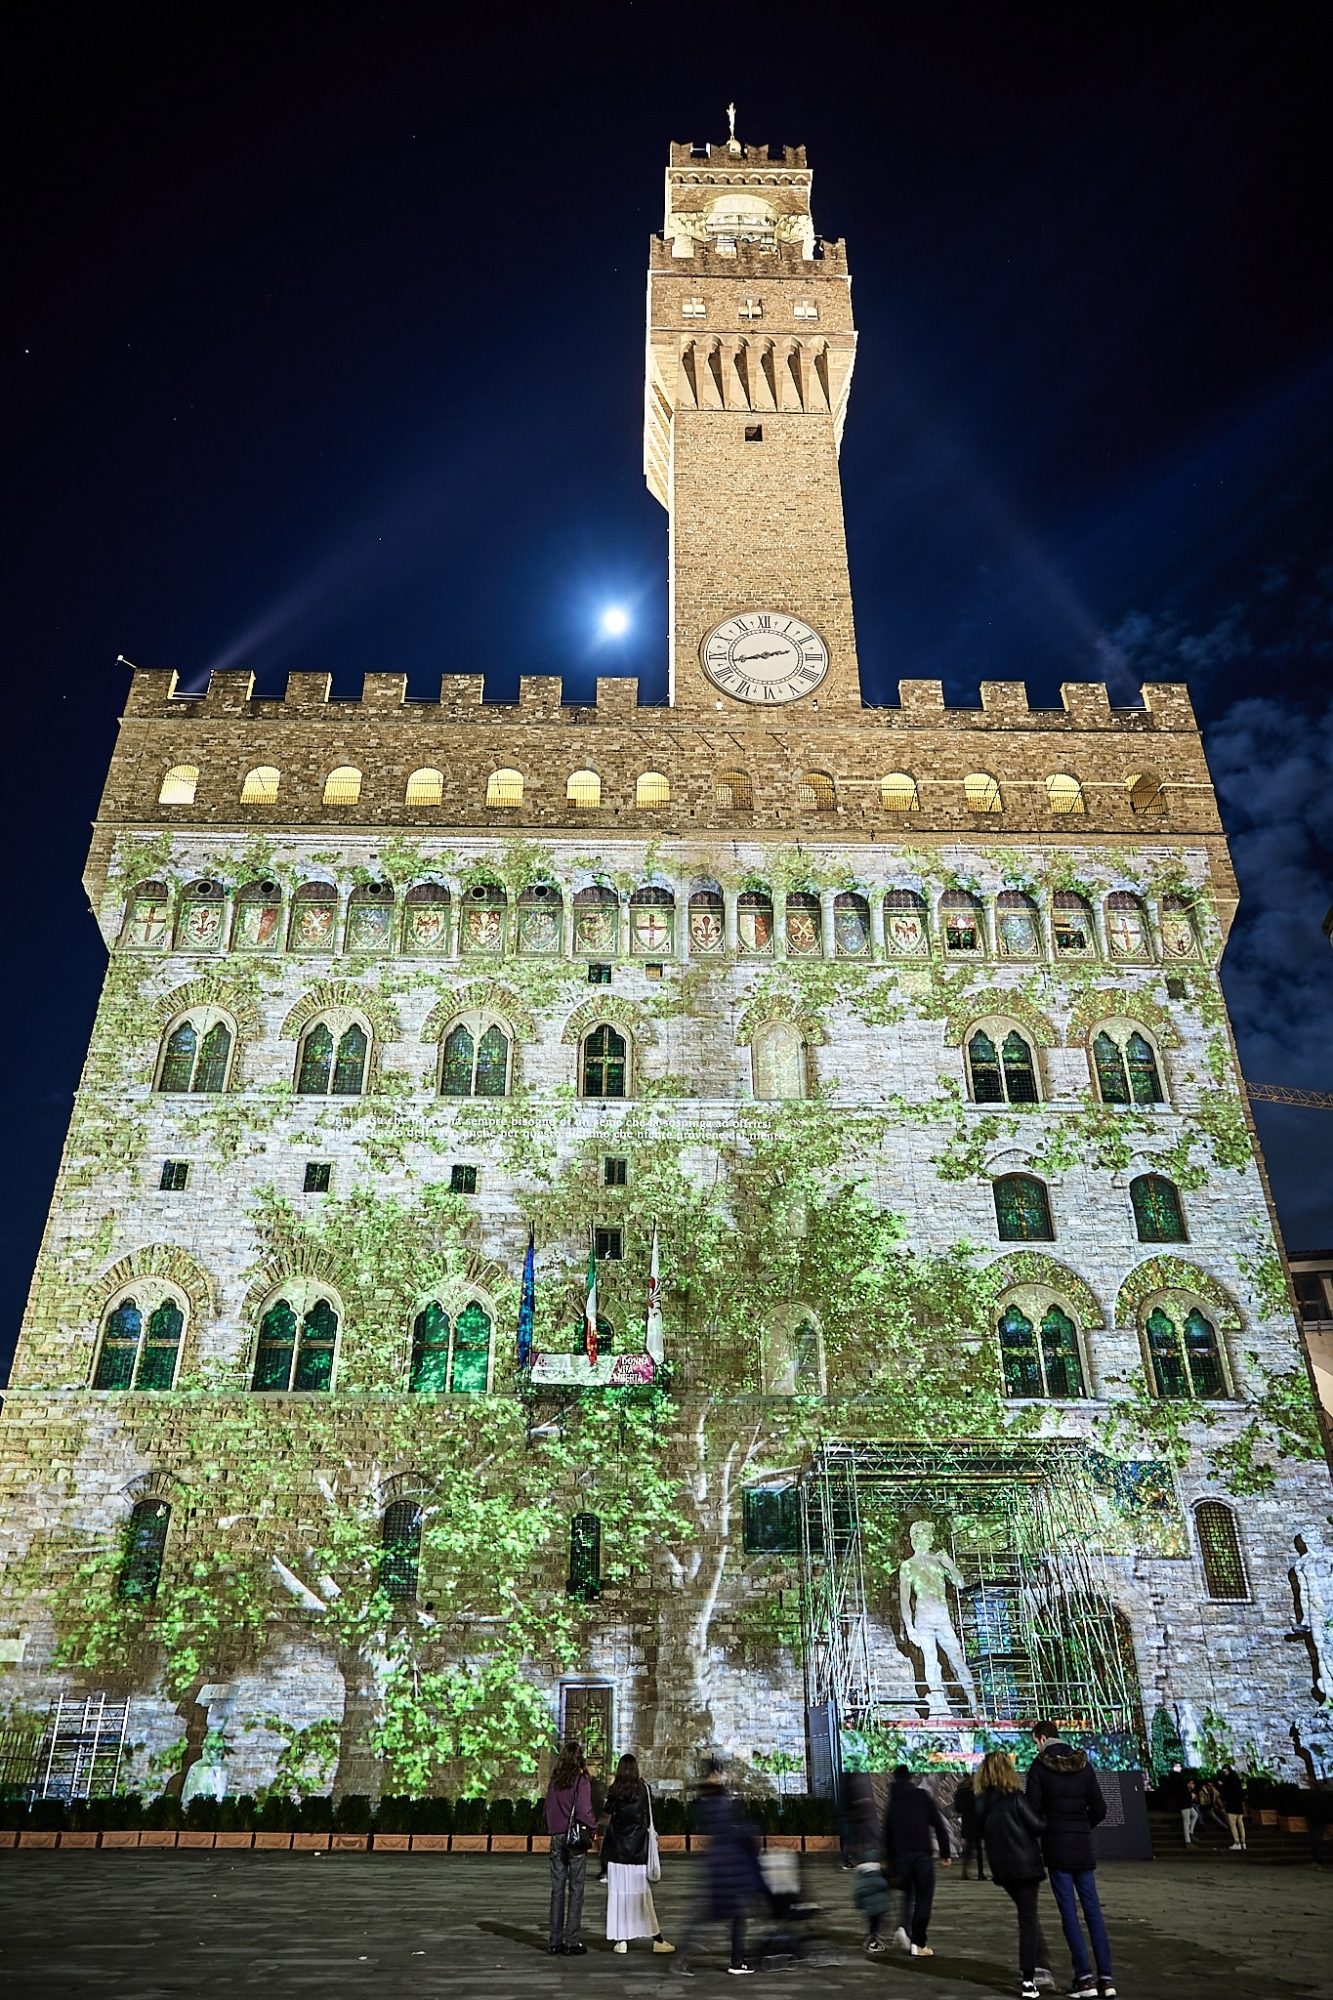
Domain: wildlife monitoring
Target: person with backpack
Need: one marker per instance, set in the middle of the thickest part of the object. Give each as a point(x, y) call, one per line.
point(572, 1826)
point(1012, 1832)
point(910, 1818)
point(627, 1849)
point(1063, 1790)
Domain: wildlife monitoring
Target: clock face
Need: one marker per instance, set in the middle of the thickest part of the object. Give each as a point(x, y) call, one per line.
point(764, 656)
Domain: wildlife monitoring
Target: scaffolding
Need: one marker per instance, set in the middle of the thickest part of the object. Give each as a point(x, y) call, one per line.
point(82, 1748)
point(1034, 1612)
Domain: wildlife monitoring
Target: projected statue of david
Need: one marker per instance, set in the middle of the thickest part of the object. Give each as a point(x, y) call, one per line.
point(923, 1593)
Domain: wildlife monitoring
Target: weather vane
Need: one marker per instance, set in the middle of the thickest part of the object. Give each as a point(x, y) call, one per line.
point(731, 121)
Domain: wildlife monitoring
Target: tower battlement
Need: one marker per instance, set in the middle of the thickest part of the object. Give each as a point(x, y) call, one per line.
point(687, 158)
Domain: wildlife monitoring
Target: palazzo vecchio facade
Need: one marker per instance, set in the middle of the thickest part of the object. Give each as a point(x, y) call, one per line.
point(978, 1386)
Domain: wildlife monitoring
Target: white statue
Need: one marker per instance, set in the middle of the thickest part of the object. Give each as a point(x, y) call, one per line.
point(1314, 1590)
point(923, 1594)
point(1190, 1724)
point(207, 1776)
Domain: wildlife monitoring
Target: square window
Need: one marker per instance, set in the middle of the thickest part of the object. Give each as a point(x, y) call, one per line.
point(1175, 989)
point(462, 1180)
point(609, 1244)
point(652, 971)
point(615, 1173)
point(599, 975)
point(317, 1176)
point(754, 434)
point(752, 309)
point(805, 309)
point(693, 309)
point(175, 1173)
point(771, 1521)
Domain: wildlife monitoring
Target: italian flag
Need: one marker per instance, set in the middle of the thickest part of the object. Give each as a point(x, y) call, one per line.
point(590, 1310)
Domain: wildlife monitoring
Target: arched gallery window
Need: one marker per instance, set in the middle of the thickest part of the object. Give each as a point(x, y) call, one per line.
point(652, 789)
point(400, 1540)
point(196, 1053)
point(261, 786)
point(314, 917)
point(1218, 1536)
point(1126, 1065)
point(1022, 1209)
point(605, 1063)
point(906, 932)
point(851, 925)
point(504, 788)
point(1001, 1068)
point(1145, 792)
point(708, 920)
point(815, 793)
point(1157, 1212)
point(1183, 1351)
point(482, 928)
point(733, 792)
point(754, 923)
point(342, 787)
point(596, 920)
point(1127, 932)
point(898, 793)
point(652, 922)
point(141, 1340)
point(145, 1547)
point(370, 915)
point(540, 920)
point(178, 786)
point(1064, 794)
point(982, 793)
point(203, 916)
point(960, 920)
point(779, 1061)
point(1071, 924)
point(1017, 927)
point(425, 788)
point(1039, 1348)
point(258, 923)
point(298, 1338)
point(426, 912)
point(474, 1058)
point(584, 789)
point(148, 917)
point(804, 926)
point(332, 1060)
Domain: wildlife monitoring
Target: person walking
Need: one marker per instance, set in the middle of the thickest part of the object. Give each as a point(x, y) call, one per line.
point(731, 1872)
point(1012, 1832)
point(1232, 1787)
point(1210, 1806)
point(870, 1889)
point(625, 1845)
point(572, 1826)
point(965, 1805)
point(910, 1818)
point(1063, 1790)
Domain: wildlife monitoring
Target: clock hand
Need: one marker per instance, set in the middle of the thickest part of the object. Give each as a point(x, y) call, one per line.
point(774, 653)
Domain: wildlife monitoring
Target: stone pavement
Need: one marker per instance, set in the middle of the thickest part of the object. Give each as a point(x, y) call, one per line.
point(151, 1926)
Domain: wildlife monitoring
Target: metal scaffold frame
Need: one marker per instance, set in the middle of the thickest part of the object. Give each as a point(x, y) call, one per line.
point(82, 1747)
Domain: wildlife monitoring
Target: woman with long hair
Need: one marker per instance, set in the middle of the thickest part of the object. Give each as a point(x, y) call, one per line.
point(629, 1900)
point(572, 1826)
point(1012, 1832)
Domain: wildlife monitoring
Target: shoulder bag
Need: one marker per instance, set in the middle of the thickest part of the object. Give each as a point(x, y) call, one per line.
point(578, 1837)
point(654, 1856)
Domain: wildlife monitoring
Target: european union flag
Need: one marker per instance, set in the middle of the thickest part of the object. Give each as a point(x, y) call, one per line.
point(527, 1305)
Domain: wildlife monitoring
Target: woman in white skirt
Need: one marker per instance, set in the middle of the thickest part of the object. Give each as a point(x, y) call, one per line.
point(629, 1900)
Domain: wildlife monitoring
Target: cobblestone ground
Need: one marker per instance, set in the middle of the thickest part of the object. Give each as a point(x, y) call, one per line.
point(144, 1926)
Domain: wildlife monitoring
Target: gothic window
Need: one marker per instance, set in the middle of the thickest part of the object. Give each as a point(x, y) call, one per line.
point(1071, 922)
point(652, 789)
point(482, 926)
point(470, 1357)
point(1145, 793)
point(793, 1354)
point(196, 1054)
point(141, 1341)
point(261, 786)
point(1039, 1354)
point(1157, 1212)
point(708, 921)
point(733, 792)
point(148, 917)
point(426, 919)
point(540, 920)
point(425, 788)
point(1127, 926)
point(1022, 1209)
point(474, 1058)
point(652, 923)
point(1219, 1548)
point(202, 917)
point(332, 1063)
point(1183, 1351)
point(585, 1558)
point(960, 919)
point(1003, 1074)
point(905, 929)
point(430, 1351)
point(342, 787)
point(1016, 925)
point(804, 933)
point(178, 786)
point(314, 917)
point(298, 1336)
point(400, 1539)
point(370, 918)
point(258, 923)
point(982, 793)
point(584, 789)
point(1126, 1065)
point(1179, 939)
point(754, 923)
point(145, 1547)
point(1064, 794)
point(605, 1063)
point(778, 1061)
point(898, 793)
point(851, 925)
point(505, 788)
point(596, 920)
point(815, 793)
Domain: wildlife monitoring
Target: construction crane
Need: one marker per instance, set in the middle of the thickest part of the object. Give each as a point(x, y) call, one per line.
point(1279, 1093)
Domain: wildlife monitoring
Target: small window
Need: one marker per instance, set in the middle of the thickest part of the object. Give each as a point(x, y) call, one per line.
point(960, 919)
point(1017, 930)
point(652, 789)
point(1064, 794)
point(754, 434)
point(815, 793)
point(905, 924)
point(652, 922)
point(475, 1059)
point(1184, 1354)
point(314, 917)
point(400, 1539)
point(584, 789)
point(178, 787)
point(148, 918)
point(1022, 1209)
point(430, 1351)
point(615, 1173)
point(1219, 1548)
point(1040, 1361)
point(693, 309)
point(805, 309)
point(1157, 1212)
point(332, 1068)
point(1126, 1066)
point(258, 925)
point(1003, 1075)
point(370, 918)
point(504, 788)
point(778, 1061)
point(175, 1174)
point(1145, 793)
point(653, 971)
point(751, 309)
point(608, 1245)
point(296, 1353)
point(343, 786)
point(140, 1345)
point(145, 1547)
point(898, 793)
point(1127, 926)
point(585, 1558)
point(462, 1179)
point(754, 923)
point(708, 922)
point(318, 1175)
point(1176, 989)
point(596, 920)
point(261, 786)
point(196, 1055)
point(599, 975)
point(1071, 922)
point(733, 792)
point(771, 1520)
point(605, 1061)
point(982, 793)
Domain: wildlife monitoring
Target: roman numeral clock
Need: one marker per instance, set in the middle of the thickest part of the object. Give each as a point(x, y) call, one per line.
point(765, 656)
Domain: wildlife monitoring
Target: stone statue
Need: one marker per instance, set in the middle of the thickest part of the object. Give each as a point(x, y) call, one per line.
point(207, 1776)
point(923, 1594)
point(1314, 1593)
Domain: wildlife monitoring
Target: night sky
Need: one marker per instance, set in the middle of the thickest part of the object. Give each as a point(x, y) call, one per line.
point(323, 343)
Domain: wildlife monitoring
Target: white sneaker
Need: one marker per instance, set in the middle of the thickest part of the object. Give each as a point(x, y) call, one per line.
point(620, 1945)
point(901, 1939)
point(923, 1951)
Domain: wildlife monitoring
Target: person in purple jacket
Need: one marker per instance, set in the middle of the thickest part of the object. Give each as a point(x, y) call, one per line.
point(572, 1825)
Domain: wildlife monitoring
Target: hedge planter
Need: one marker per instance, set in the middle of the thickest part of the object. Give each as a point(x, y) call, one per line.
point(188, 1838)
point(1267, 1816)
point(312, 1843)
point(393, 1843)
point(223, 1840)
point(509, 1843)
point(132, 1839)
point(822, 1843)
point(467, 1843)
point(671, 1843)
point(27, 1839)
point(344, 1843)
point(783, 1840)
point(432, 1843)
point(273, 1840)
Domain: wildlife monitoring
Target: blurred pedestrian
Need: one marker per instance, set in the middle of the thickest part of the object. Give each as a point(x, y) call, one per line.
point(572, 1826)
point(1189, 1810)
point(965, 1805)
point(1012, 1832)
point(731, 1872)
point(1064, 1791)
point(870, 1888)
point(910, 1819)
point(626, 1849)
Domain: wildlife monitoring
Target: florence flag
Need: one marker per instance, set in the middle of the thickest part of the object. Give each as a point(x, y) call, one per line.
point(590, 1310)
point(654, 1340)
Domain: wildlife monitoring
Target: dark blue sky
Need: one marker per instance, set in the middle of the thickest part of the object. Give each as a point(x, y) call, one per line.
point(323, 349)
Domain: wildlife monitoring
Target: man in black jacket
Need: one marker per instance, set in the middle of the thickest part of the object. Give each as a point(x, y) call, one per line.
point(909, 1820)
point(1063, 1788)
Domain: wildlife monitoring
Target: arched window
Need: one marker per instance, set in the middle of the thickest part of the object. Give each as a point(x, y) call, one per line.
point(1039, 1350)
point(778, 1061)
point(584, 789)
point(652, 789)
point(1064, 794)
point(1183, 1350)
point(815, 793)
point(482, 928)
point(505, 788)
point(1157, 1211)
point(1127, 926)
point(332, 1060)
point(1001, 1075)
point(202, 918)
point(733, 792)
point(429, 1373)
point(1071, 922)
point(585, 1559)
point(851, 925)
point(314, 917)
point(596, 921)
point(960, 918)
point(196, 1053)
point(905, 928)
point(425, 787)
point(708, 921)
point(982, 793)
point(141, 1340)
point(148, 917)
point(178, 787)
point(1145, 792)
point(474, 1058)
point(1016, 925)
point(754, 923)
point(470, 1358)
point(426, 919)
point(261, 786)
point(1219, 1548)
point(605, 1063)
point(258, 925)
point(400, 1539)
point(370, 918)
point(298, 1336)
point(898, 793)
point(804, 926)
point(145, 1547)
point(792, 1356)
point(342, 787)
point(652, 923)
point(1126, 1065)
point(540, 917)
point(1022, 1209)
point(1179, 938)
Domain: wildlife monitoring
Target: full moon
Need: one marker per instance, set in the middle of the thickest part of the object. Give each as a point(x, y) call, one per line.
point(615, 621)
